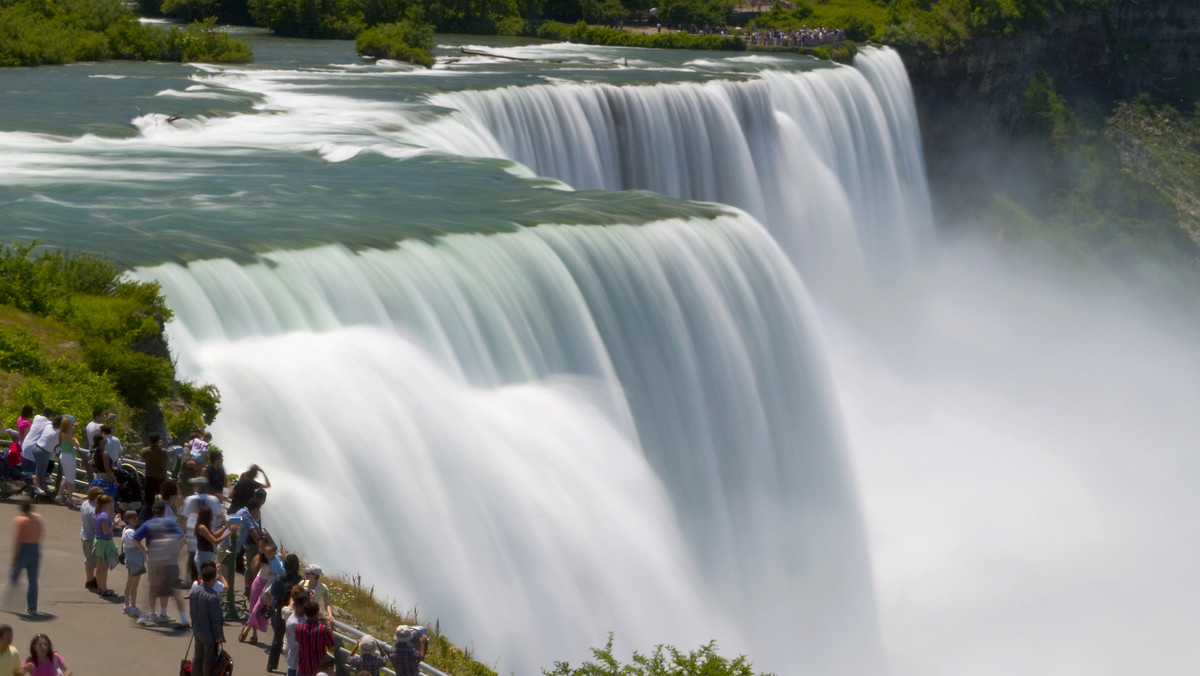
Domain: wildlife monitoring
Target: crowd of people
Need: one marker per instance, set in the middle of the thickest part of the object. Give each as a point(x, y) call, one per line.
point(216, 518)
point(796, 37)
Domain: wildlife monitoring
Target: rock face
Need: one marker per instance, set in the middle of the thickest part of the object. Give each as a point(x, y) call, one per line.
point(970, 99)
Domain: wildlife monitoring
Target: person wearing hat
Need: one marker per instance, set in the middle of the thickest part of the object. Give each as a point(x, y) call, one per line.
point(318, 591)
point(408, 649)
point(366, 656)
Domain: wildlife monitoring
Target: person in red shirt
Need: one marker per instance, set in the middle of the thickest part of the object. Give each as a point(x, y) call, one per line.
point(313, 638)
point(27, 552)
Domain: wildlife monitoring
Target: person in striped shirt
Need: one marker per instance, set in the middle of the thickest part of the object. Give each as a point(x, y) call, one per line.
point(313, 638)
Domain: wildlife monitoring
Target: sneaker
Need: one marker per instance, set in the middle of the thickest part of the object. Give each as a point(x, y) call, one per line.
point(37, 491)
point(165, 619)
point(183, 625)
point(130, 610)
point(91, 584)
point(148, 619)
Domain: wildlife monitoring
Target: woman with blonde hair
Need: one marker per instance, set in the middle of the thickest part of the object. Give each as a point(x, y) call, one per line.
point(67, 446)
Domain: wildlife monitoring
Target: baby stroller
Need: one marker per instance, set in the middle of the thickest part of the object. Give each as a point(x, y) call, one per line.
point(129, 488)
point(12, 479)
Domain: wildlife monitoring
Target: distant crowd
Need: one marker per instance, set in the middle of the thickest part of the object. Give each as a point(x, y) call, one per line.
point(156, 514)
point(796, 37)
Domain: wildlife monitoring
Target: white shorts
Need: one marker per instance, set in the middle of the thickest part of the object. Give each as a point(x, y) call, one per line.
point(68, 462)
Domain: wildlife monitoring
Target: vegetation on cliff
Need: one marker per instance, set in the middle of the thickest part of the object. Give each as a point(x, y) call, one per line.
point(664, 661)
point(37, 32)
point(582, 33)
point(75, 334)
point(1120, 190)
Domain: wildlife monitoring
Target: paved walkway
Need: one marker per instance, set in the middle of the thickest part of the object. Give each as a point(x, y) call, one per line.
point(91, 633)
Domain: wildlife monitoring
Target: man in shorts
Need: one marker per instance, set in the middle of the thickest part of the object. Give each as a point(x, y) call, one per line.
point(163, 539)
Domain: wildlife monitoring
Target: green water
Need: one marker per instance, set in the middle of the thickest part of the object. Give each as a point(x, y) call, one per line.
point(147, 162)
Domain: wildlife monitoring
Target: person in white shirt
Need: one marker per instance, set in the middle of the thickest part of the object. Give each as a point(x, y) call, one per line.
point(191, 511)
point(45, 446)
point(30, 444)
point(93, 428)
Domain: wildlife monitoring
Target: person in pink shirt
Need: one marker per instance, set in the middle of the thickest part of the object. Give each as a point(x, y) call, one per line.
point(43, 661)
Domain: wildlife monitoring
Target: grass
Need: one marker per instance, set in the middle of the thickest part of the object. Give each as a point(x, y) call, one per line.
point(359, 606)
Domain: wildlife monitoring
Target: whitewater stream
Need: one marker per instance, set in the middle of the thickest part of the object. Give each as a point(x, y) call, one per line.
point(650, 342)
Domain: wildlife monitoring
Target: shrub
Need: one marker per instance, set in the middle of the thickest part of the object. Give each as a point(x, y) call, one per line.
point(20, 353)
point(406, 40)
point(202, 41)
point(664, 661)
point(321, 19)
point(581, 33)
point(513, 25)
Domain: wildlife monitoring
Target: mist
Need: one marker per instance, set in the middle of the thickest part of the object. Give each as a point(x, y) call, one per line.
point(1022, 433)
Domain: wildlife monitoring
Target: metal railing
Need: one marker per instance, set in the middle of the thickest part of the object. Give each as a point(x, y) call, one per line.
point(345, 632)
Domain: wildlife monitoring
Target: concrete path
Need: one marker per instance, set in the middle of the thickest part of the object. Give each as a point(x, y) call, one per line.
point(90, 632)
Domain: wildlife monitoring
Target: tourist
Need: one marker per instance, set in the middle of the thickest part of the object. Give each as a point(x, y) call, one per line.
point(246, 486)
point(206, 538)
point(313, 638)
point(27, 553)
point(293, 615)
point(195, 451)
point(10, 658)
point(244, 524)
point(216, 475)
point(99, 419)
point(208, 627)
point(67, 446)
point(104, 547)
point(44, 447)
point(365, 657)
point(102, 463)
point(163, 539)
point(155, 457)
point(29, 445)
point(408, 649)
point(135, 562)
point(172, 498)
point(43, 661)
point(328, 666)
point(87, 534)
point(281, 591)
point(318, 591)
point(112, 445)
point(270, 566)
point(190, 512)
point(24, 424)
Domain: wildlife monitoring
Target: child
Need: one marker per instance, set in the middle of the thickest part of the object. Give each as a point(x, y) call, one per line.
point(135, 562)
point(104, 548)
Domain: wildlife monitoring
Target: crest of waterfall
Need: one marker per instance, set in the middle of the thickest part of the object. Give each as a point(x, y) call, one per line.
point(829, 159)
point(551, 434)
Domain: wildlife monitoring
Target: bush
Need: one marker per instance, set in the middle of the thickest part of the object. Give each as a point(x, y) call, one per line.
point(20, 353)
point(195, 408)
point(581, 33)
point(664, 661)
point(513, 25)
point(320, 19)
point(190, 10)
point(406, 40)
point(202, 41)
point(36, 32)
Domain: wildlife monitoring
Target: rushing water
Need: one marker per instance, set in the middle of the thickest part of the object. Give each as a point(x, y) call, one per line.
point(530, 343)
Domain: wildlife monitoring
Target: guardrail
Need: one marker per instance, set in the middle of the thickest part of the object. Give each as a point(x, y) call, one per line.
point(345, 632)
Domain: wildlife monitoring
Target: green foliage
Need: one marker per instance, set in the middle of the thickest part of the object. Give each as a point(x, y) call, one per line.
point(664, 661)
point(593, 35)
point(190, 10)
point(195, 409)
point(603, 11)
point(1045, 115)
point(513, 25)
point(696, 12)
point(36, 32)
point(782, 18)
point(76, 334)
point(407, 40)
point(21, 352)
point(326, 19)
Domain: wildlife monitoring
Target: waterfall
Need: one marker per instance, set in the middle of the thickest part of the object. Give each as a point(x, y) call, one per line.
point(550, 434)
point(829, 159)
